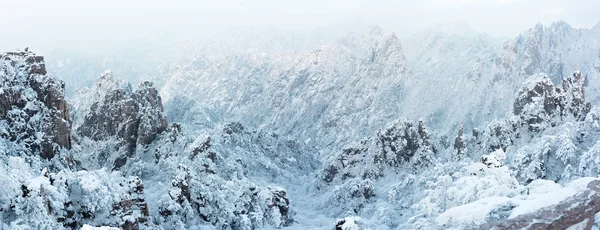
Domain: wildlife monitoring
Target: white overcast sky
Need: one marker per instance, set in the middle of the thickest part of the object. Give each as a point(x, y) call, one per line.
point(45, 24)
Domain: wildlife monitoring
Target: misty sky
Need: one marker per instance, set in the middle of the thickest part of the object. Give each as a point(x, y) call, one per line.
point(44, 24)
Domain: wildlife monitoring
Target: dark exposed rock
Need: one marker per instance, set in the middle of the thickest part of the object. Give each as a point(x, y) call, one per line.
point(475, 133)
point(174, 132)
point(541, 91)
point(203, 147)
point(339, 224)
point(26, 92)
point(277, 200)
point(574, 90)
point(459, 143)
point(134, 202)
point(329, 173)
point(400, 142)
point(233, 128)
point(150, 115)
point(134, 117)
point(539, 102)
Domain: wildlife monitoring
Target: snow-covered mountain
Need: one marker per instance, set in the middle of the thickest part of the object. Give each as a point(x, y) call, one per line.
point(467, 79)
point(364, 131)
point(450, 76)
point(311, 96)
point(124, 167)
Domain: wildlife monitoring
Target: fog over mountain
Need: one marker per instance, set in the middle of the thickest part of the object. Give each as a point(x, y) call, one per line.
point(300, 115)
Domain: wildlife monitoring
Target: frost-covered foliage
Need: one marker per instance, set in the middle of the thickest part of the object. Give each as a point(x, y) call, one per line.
point(549, 136)
point(207, 179)
point(546, 128)
point(194, 179)
point(358, 176)
point(480, 180)
point(36, 198)
point(400, 146)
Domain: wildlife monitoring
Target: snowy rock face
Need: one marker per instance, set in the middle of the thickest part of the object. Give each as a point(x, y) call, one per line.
point(447, 76)
point(556, 50)
point(32, 106)
point(539, 110)
point(350, 178)
point(134, 117)
point(538, 101)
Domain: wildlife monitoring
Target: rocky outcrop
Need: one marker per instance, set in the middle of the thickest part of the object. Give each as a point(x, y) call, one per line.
point(539, 102)
point(32, 103)
point(401, 143)
point(201, 194)
point(577, 210)
point(132, 208)
point(459, 143)
point(277, 206)
point(134, 117)
point(126, 207)
point(398, 145)
point(150, 113)
point(574, 96)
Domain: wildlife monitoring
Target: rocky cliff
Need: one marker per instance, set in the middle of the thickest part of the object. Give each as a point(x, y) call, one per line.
point(32, 105)
point(112, 109)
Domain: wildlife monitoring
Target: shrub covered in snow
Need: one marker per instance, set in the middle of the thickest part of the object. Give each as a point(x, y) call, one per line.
point(400, 146)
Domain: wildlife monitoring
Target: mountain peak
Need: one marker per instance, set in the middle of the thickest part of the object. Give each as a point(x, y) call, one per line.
point(597, 26)
point(560, 25)
point(554, 26)
point(362, 39)
point(389, 46)
point(461, 28)
point(374, 30)
point(386, 53)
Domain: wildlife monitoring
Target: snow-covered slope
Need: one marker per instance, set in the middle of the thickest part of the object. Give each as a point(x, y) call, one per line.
point(466, 79)
point(406, 178)
point(318, 96)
